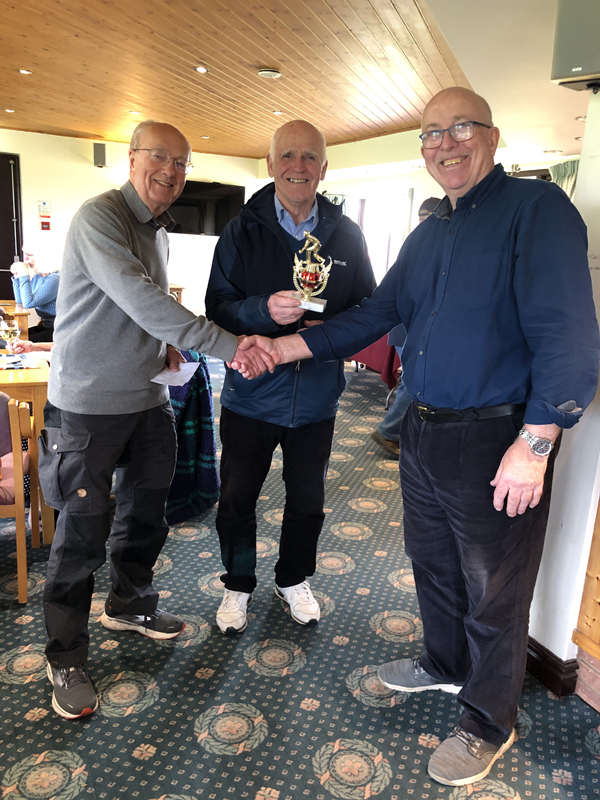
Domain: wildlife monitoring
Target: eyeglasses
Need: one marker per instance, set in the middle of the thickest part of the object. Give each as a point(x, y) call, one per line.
point(160, 156)
point(461, 132)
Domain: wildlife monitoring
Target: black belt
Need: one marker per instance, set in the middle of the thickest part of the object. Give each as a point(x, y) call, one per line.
point(430, 414)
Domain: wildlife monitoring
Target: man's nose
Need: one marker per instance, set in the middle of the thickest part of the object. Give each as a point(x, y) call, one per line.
point(447, 140)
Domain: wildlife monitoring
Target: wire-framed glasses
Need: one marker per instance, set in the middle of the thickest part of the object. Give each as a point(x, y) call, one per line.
point(461, 132)
point(160, 156)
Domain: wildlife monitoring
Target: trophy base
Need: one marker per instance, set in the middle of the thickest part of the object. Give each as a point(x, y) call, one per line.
point(313, 304)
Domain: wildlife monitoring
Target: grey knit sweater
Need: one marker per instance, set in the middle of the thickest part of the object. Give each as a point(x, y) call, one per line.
point(114, 313)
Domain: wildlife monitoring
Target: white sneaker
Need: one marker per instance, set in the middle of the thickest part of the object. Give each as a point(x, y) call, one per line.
point(301, 601)
point(232, 614)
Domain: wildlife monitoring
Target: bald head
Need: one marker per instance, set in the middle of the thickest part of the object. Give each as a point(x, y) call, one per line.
point(457, 95)
point(303, 129)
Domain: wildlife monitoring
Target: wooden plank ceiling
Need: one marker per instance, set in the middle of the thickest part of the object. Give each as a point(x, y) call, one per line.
point(355, 68)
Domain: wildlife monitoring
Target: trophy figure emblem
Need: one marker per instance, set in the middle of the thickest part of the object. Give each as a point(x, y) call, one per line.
point(311, 276)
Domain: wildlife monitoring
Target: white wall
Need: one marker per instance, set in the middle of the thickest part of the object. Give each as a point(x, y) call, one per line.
point(557, 598)
point(60, 170)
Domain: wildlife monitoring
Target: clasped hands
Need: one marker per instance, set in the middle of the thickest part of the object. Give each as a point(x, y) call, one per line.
point(254, 356)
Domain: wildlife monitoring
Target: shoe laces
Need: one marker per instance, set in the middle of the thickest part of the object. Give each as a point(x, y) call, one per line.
point(303, 592)
point(469, 739)
point(72, 676)
point(232, 600)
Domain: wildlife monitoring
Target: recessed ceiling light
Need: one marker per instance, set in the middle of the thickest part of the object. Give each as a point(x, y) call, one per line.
point(25, 71)
point(268, 72)
point(579, 138)
point(201, 69)
point(582, 118)
point(278, 113)
point(552, 151)
point(205, 137)
point(136, 113)
point(9, 110)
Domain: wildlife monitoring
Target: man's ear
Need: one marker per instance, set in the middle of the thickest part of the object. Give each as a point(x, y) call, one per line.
point(269, 165)
point(323, 170)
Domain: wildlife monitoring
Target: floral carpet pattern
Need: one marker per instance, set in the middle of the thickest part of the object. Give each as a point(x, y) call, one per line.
point(281, 712)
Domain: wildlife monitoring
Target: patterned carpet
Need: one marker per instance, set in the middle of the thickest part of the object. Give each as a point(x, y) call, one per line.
point(281, 712)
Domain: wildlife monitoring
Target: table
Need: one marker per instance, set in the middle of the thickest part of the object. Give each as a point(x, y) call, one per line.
point(31, 385)
point(176, 290)
point(20, 314)
point(380, 357)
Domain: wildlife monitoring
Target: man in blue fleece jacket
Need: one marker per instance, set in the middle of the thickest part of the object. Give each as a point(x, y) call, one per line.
point(249, 292)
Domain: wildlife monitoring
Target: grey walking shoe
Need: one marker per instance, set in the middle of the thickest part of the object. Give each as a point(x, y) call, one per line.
point(159, 625)
point(407, 675)
point(465, 758)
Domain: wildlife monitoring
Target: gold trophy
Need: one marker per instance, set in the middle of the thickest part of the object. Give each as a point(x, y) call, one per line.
point(310, 277)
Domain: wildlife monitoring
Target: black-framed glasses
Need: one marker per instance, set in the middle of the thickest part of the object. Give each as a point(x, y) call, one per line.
point(461, 132)
point(160, 156)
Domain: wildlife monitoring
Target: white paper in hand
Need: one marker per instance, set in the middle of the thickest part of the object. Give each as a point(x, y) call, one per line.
point(180, 378)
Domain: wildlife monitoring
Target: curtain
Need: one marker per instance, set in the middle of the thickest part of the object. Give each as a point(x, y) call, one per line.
point(565, 175)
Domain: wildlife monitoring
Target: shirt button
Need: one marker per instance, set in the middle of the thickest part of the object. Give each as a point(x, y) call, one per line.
point(443, 273)
point(55, 447)
point(420, 352)
point(473, 206)
point(433, 313)
point(451, 231)
point(418, 392)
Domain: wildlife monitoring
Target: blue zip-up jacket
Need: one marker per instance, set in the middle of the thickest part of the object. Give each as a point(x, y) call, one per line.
point(496, 298)
point(253, 260)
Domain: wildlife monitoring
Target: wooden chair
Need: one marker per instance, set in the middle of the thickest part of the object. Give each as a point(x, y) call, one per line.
point(12, 493)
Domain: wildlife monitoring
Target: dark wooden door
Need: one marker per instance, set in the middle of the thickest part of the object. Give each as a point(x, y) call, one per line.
point(11, 233)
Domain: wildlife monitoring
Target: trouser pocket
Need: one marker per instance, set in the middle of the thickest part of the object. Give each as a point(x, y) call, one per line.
point(62, 457)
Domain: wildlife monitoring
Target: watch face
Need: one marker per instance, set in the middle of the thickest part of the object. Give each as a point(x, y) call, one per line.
point(542, 447)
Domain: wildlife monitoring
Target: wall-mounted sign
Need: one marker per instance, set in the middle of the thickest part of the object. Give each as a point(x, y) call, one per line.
point(44, 209)
point(45, 224)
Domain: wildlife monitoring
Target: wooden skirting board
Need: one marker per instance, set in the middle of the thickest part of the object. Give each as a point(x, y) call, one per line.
point(558, 675)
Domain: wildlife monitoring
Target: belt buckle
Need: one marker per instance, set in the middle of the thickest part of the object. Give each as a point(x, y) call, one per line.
point(423, 410)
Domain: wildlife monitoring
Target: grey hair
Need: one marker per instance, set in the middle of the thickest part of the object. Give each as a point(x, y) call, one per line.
point(289, 124)
point(135, 136)
point(149, 123)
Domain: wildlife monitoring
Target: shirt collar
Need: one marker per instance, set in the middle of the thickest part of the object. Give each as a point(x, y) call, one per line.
point(141, 211)
point(474, 196)
point(283, 214)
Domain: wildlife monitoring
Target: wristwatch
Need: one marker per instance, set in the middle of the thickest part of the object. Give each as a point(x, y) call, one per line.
point(539, 446)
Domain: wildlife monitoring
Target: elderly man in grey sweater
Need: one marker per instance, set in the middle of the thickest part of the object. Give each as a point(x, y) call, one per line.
point(114, 319)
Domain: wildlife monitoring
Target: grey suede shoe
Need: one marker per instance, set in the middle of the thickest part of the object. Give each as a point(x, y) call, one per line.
point(465, 758)
point(407, 675)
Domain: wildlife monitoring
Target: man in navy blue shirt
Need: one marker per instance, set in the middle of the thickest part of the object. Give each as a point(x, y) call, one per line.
point(501, 354)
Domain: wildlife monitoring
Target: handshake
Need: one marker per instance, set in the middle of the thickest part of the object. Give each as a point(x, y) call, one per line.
point(257, 354)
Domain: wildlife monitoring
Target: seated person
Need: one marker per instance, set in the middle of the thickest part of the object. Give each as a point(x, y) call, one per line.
point(34, 288)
